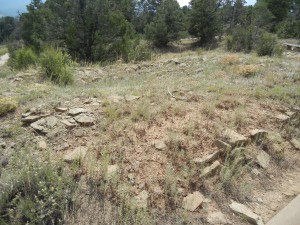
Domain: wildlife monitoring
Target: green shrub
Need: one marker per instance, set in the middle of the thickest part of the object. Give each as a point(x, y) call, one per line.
point(140, 52)
point(36, 194)
point(56, 66)
point(23, 58)
point(240, 40)
point(289, 29)
point(268, 45)
point(7, 105)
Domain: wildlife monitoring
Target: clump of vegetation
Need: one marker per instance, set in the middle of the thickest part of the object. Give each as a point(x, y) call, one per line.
point(7, 105)
point(247, 70)
point(240, 40)
point(268, 45)
point(140, 52)
point(23, 58)
point(3, 50)
point(229, 59)
point(35, 194)
point(57, 66)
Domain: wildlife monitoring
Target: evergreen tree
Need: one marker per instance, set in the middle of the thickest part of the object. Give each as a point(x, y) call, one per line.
point(7, 27)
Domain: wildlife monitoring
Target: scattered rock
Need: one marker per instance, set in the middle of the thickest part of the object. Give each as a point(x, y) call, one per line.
point(4, 162)
point(258, 133)
point(192, 201)
point(255, 171)
point(77, 111)
point(142, 199)
point(282, 117)
point(85, 120)
point(51, 121)
point(68, 124)
point(79, 133)
point(222, 145)
point(216, 218)
point(42, 145)
point(63, 146)
point(38, 126)
point(295, 143)
point(234, 138)
point(112, 170)
point(160, 145)
point(207, 171)
point(263, 159)
point(245, 212)
point(130, 98)
point(31, 119)
point(207, 159)
point(61, 109)
point(77, 154)
point(26, 114)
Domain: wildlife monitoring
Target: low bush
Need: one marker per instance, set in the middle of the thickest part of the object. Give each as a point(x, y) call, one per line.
point(57, 66)
point(36, 194)
point(247, 70)
point(7, 105)
point(22, 59)
point(268, 45)
point(240, 40)
point(140, 52)
point(289, 29)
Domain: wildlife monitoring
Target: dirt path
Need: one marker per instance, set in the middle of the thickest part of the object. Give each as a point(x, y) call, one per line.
point(3, 59)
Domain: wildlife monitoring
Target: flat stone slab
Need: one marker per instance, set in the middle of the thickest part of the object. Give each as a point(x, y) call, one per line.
point(192, 201)
point(290, 215)
point(234, 138)
point(247, 213)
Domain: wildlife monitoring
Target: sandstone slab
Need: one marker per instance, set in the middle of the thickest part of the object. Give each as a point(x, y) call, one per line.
point(192, 201)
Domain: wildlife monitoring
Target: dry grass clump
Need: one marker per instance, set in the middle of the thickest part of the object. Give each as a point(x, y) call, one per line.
point(229, 59)
point(247, 70)
point(7, 105)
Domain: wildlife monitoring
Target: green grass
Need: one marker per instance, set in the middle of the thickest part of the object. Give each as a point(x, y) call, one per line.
point(3, 50)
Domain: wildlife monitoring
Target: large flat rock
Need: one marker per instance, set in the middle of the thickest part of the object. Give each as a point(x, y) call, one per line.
point(290, 215)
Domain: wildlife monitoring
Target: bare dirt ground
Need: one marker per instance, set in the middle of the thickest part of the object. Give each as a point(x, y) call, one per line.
point(149, 122)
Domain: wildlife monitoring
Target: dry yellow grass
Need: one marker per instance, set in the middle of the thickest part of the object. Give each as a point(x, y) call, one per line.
point(247, 70)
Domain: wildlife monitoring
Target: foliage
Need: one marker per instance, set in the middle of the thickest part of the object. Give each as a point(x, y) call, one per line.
point(7, 26)
point(7, 105)
point(56, 66)
point(166, 25)
point(35, 194)
point(204, 23)
point(268, 45)
point(289, 29)
point(23, 58)
point(247, 70)
point(140, 52)
point(240, 40)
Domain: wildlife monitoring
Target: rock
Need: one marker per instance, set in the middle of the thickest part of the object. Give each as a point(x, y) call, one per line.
point(192, 201)
point(61, 109)
point(85, 120)
point(38, 126)
point(31, 119)
point(77, 111)
point(222, 145)
point(42, 145)
point(255, 172)
point(26, 114)
point(112, 170)
point(234, 138)
point(160, 145)
point(77, 154)
point(78, 133)
point(207, 171)
point(4, 162)
point(258, 133)
point(3, 145)
point(68, 124)
point(63, 146)
point(116, 98)
point(51, 121)
point(216, 218)
point(263, 159)
point(282, 117)
point(130, 98)
point(207, 159)
point(295, 143)
point(142, 199)
point(245, 212)
point(173, 61)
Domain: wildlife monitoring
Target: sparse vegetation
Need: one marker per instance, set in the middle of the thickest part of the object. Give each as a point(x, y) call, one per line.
point(23, 58)
point(7, 105)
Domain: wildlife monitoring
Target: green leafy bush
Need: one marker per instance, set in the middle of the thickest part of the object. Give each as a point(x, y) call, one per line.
point(35, 194)
point(268, 45)
point(289, 29)
point(23, 58)
point(240, 40)
point(57, 66)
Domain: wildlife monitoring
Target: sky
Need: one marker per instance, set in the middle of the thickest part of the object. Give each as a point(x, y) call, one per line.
point(12, 7)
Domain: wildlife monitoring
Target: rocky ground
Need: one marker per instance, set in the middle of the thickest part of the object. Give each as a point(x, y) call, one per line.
point(193, 137)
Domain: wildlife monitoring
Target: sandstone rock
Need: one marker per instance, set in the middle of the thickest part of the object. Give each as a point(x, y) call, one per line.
point(63, 146)
point(42, 145)
point(282, 117)
point(234, 138)
point(112, 170)
point(61, 109)
point(160, 145)
point(142, 199)
point(26, 114)
point(130, 98)
point(222, 145)
point(38, 126)
point(31, 119)
point(295, 143)
point(207, 171)
point(207, 159)
point(85, 120)
point(51, 121)
point(77, 154)
point(258, 133)
point(192, 201)
point(68, 124)
point(77, 111)
point(245, 212)
point(263, 159)
point(216, 218)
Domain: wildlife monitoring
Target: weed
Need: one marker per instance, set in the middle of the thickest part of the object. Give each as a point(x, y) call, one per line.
point(247, 70)
point(23, 58)
point(7, 105)
point(229, 60)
